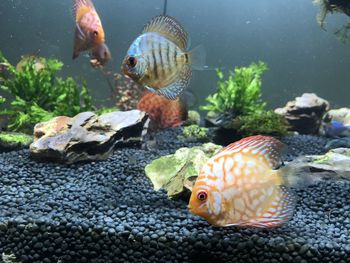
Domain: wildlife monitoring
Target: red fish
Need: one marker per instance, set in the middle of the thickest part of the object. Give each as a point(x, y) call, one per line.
point(164, 113)
point(89, 33)
point(240, 186)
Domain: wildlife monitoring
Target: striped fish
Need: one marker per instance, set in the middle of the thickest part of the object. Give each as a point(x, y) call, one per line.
point(241, 186)
point(158, 59)
point(89, 33)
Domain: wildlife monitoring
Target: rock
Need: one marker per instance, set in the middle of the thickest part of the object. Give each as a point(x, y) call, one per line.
point(342, 115)
point(176, 173)
point(304, 114)
point(87, 136)
point(334, 162)
point(10, 141)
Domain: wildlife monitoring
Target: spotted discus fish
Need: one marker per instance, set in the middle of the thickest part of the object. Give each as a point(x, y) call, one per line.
point(89, 33)
point(162, 112)
point(158, 59)
point(241, 186)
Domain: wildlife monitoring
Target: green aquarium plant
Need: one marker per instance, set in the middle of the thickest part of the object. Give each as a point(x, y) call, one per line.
point(265, 123)
point(36, 94)
point(14, 140)
point(240, 93)
point(335, 6)
point(104, 110)
point(195, 133)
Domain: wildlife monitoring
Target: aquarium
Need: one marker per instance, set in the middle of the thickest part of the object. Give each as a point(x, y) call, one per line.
point(174, 131)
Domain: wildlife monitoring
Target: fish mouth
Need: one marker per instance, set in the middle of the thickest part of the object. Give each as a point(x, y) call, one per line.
point(129, 72)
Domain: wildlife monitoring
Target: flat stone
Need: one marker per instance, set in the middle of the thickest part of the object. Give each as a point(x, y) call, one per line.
point(87, 136)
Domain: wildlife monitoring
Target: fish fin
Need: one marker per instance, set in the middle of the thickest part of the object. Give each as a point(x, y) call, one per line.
point(151, 89)
point(296, 175)
point(279, 211)
point(80, 7)
point(173, 91)
point(196, 58)
point(79, 33)
point(267, 147)
point(168, 27)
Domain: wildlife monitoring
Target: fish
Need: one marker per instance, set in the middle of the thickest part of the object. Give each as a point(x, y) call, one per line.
point(158, 59)
point(242, 186)
point(162, 112)
point(100, 55)
point(89, 33)
point(336, 129)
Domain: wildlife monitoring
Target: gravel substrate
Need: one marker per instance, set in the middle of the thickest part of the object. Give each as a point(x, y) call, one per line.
point(107, 211)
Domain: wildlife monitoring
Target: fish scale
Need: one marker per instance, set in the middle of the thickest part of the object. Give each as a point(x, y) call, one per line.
point(242, 186)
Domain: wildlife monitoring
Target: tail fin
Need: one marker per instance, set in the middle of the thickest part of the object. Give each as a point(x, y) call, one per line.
point(297, 175)
point(196, 57)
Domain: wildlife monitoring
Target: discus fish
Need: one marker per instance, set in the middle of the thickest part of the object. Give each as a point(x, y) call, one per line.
point(158, 59)
point(89, 33)
point(241, 186)
point(162, 112)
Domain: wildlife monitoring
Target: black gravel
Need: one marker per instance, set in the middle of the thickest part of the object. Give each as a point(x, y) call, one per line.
point(107, 211)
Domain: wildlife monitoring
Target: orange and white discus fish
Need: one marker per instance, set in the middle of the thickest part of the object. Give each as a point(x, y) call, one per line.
point(158, 59)
point(241, 186)
point(89, 33)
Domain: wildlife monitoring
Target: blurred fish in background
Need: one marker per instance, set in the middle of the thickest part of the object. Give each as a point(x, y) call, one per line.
point(89, 34)
point(336, 129)
point(162, 112)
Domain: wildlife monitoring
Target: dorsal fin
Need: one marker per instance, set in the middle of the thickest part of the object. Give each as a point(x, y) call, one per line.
point(168, 27)
point(267, 147)
point(80, 7)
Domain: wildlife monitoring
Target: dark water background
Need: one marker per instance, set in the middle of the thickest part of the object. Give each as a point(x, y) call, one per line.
point(283, 33)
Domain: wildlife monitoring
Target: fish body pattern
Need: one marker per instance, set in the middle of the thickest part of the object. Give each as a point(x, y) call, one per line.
point(162, 112)
point(158, 59)
point(241, 186)
point(89, 33)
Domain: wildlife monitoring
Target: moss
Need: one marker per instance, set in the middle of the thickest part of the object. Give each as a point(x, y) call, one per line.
point(15, 138)
point(240, 93)
point(193, 118)
point(194, 132)
point(266, 123)
point(106, 110)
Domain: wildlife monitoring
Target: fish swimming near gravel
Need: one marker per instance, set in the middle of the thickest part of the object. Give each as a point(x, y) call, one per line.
point(89, 34)
point(242, 186)
point(158, 59)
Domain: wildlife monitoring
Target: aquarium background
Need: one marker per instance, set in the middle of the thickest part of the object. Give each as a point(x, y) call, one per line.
point(284, 33)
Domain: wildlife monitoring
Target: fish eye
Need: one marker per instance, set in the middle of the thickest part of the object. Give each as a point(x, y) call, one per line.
point(202, 196)
point(132, 61)
point(95, 33)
